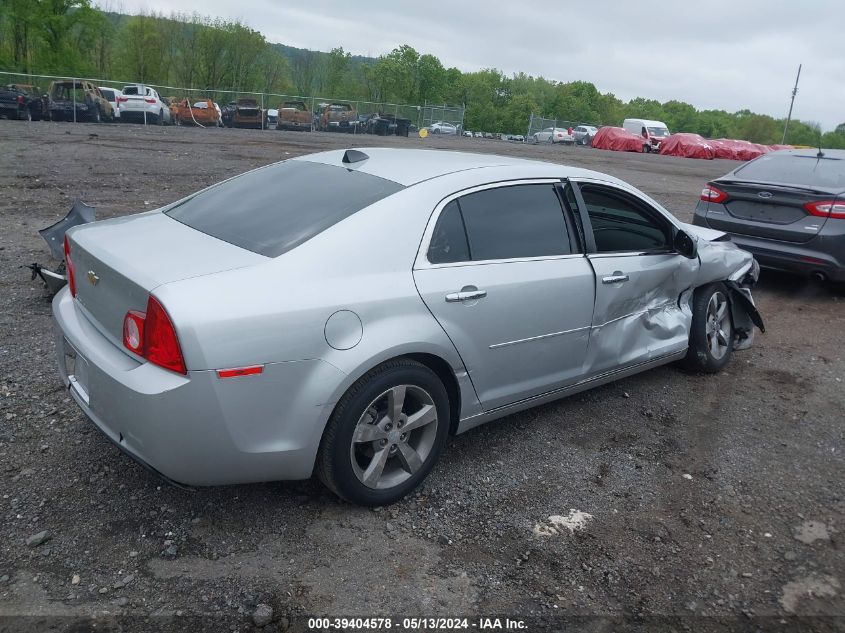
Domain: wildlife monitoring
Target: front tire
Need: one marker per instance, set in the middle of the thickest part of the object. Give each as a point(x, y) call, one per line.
point(711, 332)
point(385, 434)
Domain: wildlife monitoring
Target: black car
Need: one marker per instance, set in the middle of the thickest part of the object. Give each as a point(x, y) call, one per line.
point(787, 208)
point(23, 102)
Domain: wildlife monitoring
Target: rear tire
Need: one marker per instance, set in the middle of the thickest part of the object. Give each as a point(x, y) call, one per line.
point(365, 455)
point(711, 332)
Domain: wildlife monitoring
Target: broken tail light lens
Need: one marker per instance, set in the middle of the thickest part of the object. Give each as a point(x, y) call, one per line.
point(153, 336)
point(712, 194)
point(827, 209)
point(71, 274)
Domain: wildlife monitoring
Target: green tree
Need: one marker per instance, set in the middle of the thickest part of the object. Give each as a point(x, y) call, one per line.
point(139, 55)
point(337, 69)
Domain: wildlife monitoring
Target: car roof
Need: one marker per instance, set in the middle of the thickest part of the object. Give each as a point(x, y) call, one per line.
point(411, 166)
point(813, 153)
point(646, 122)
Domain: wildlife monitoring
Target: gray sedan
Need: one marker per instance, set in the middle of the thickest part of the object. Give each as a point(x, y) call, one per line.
point(785, 207)
point(341, 313)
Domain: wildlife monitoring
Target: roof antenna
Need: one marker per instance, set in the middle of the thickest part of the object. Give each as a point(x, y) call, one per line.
point(354, 156)
point(821, 153)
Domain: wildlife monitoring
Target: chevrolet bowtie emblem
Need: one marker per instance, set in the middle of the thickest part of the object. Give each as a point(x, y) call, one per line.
point(93, 278)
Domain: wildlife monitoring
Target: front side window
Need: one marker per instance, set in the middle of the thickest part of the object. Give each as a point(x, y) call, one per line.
point(622, 224)
point(502, 223)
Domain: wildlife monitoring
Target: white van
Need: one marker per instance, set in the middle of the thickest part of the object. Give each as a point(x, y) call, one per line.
point(654, 131)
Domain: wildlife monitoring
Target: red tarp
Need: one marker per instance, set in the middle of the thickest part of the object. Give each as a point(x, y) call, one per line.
point(738, 150)
point(687, 146)
point(618, 140)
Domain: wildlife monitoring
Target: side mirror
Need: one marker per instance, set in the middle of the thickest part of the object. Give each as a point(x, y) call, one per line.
point(686, 244)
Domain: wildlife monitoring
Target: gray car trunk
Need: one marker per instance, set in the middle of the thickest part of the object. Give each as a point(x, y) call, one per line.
point(766, 210)
point(119, 262)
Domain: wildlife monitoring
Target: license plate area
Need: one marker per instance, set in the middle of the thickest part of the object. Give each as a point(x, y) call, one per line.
point(76, 368)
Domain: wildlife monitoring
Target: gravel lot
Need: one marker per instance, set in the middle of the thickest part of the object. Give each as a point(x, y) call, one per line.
point(714, 502)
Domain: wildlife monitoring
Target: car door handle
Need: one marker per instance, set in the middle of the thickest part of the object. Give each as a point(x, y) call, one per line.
point(615, 278)
point(465, 295)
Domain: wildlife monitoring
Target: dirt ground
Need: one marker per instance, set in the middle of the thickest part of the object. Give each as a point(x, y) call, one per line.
point(663, 501)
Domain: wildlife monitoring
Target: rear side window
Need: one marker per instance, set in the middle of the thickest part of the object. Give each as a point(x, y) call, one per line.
point(449, 240)
point(276, 208)
point(108, 94)
point(621, 224)
point(789, 169)
point(502, 223)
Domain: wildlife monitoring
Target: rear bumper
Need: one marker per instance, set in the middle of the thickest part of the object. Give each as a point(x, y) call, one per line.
point(133, 111)
point(797, 257)
point(196, 429)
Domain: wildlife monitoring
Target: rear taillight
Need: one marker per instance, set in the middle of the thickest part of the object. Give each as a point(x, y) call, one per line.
point(153, 336)
point(827, 209)
point(148, 100)
point(133, 331)
point(20, 100)
point(711, 194)
point(71, 275)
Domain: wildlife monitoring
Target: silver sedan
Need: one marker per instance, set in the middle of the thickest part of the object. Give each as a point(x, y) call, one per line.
point(342, 313)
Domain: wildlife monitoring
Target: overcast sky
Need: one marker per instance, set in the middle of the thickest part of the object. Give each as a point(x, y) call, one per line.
point(725, 54)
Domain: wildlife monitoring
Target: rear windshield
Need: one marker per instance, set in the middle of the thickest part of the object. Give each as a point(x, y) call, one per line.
point(274, 209)
point(789, 169)
point(108, 94)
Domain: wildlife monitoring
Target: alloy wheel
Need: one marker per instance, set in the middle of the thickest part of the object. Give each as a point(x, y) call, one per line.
point(718, 325)
point(394, 436)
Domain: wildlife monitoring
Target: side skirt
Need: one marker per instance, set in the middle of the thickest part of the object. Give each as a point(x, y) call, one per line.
point(602, 379)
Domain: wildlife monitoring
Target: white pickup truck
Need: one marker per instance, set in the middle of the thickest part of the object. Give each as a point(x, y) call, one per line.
point(141, 103)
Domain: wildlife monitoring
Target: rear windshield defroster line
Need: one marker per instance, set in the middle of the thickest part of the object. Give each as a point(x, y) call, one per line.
point(274, 209)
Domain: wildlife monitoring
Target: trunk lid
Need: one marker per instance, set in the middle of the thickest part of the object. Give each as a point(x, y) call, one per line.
point(766, 210)
point(119, 262)
point(133, 102)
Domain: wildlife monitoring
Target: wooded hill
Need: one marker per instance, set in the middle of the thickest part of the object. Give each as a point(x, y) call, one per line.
point(71, 37)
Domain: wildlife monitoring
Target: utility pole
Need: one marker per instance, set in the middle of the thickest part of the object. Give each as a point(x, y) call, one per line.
point(791, 103)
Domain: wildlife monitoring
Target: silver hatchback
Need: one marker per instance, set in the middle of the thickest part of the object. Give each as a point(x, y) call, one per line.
point(342, 313)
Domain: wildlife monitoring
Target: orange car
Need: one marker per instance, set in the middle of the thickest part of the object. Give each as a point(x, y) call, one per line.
point(202, 112)
point(338, 117)
point(294, 115)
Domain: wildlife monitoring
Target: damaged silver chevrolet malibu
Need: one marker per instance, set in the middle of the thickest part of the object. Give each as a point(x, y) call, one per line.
point(342, 313)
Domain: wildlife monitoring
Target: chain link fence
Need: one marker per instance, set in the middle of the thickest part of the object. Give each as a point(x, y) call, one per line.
point(276, 111)
point(537, 124)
